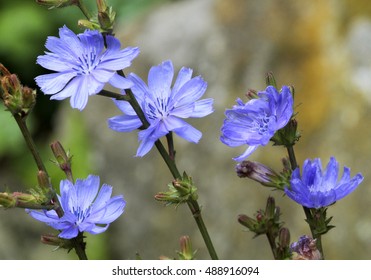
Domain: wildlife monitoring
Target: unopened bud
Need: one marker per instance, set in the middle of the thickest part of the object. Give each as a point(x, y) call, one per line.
point(247, 221)
point(259, 173)
point(284, 237)
point(186, 252)
point(51, 239)
point(7, 200)
point(252, 94)
point(270, 208)
point(63, 159)
point(17, 99)
point(106, 16)
point(270, 80)
point(43, 180)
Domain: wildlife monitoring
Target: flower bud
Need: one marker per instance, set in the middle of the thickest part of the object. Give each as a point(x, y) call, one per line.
point(260, 173)
point(252, 94)
point(17, 99)
point(186, 252)
point(43, 180)
point(106, 16)
point(51, 239)
point(270, 80)
point(284, 237)
point(180, 191)
point(63, 159)
point(246, 221)
point(7, 200)
point(270, 208)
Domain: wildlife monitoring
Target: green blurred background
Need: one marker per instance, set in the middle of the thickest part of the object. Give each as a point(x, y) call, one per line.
point(320, 47)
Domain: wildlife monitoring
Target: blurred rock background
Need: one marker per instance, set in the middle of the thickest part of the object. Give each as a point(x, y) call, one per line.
point(322, 48)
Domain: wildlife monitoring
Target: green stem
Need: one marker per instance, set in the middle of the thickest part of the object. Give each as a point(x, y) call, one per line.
point(196, 212)
point(79, 246)
point(84, 9)
point(193, 205)
point(30, 143)
point(272, 243)
point(40, 164)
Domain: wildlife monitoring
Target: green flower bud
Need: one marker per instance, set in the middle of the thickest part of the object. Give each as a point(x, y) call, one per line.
point(64, 160)
point(51, 239)
point(17, 99)
point(186, 252)
point(7, 200)
point(270, 80)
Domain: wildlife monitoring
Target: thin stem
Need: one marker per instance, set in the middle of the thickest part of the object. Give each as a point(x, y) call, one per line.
point(170, 144)
point(40, 164)
point(29, 141)
point(111, 94)
point(272, 243)
point(78, 243)
point(84, 9)
point(169, 160)
point(196, 212)
point(79, 246)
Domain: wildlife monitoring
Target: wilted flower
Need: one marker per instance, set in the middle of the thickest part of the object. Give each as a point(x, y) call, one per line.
point(254, 123)
point(305, 249)
point(86, 208)
point(82, 65)
point(316, 189)
point(163, 106)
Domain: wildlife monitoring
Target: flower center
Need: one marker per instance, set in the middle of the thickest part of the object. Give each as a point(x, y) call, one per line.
point(88, 62)
point(262, 123)
point(157, 109)
point(81, 214)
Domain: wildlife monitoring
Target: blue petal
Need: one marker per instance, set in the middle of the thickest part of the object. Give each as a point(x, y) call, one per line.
point(87, 190)
point(120, 82)
point(114, 209)
point(184, 75)
point(80, 98)
point(117, 60)
point(124, 123)
point(97, 229)
point(55, 82)
point(160, 78)
point(246, 154)
point(69, 232)
point(125, 107)
point(190, 92)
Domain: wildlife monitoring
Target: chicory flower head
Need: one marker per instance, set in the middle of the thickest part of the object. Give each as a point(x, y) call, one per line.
point(254, 123)
point(316, 189)
point(83, 66)
point(164, 106)
point(86, 208)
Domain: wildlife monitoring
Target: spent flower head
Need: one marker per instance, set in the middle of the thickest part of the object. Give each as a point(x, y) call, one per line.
point(316, 188)
point(255, 122)
point(83, 65)
point(305, 249)
point(86, 208)
point(164, 106)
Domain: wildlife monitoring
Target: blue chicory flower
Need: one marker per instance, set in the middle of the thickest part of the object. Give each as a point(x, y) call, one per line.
point(86, 208)
point(83, 66)
point(316, 189)
point(254, 123)
point(163, 106)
